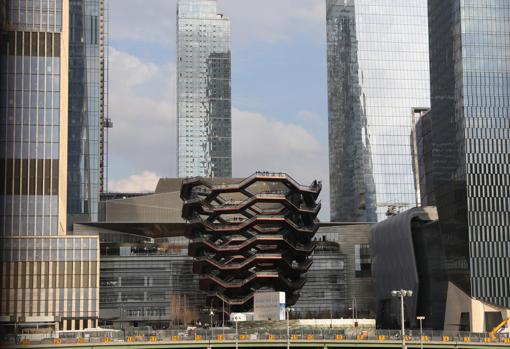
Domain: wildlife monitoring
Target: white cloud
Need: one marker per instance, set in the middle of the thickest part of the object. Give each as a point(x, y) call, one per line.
point(264, 144)
point(142, 183)
point(142, 107)
point(252, 20)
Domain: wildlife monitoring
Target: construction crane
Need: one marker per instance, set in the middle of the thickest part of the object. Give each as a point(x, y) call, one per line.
point(495, 330)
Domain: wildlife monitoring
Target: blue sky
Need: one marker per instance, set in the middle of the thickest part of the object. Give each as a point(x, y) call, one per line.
point(279, 90)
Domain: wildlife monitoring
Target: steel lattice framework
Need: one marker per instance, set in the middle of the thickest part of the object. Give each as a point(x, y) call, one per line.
point(250, 235)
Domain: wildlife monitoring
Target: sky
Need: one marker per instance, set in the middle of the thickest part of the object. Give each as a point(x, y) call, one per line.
point(279, 91)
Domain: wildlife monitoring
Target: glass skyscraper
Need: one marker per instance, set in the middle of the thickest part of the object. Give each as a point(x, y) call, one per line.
point(378, 71)
point(470, 93)
point(46, 277)
point(85, 71)
point(204, 127)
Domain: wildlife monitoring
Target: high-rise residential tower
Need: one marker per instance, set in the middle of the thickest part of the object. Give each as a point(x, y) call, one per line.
point(204, 127)
point(48, 278)
point(85, 104)
point(470, 115)
point(378, 71)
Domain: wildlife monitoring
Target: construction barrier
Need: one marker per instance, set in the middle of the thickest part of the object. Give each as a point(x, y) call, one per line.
point(294, 337)
point(175, 338)
point(82, 340)
point(220, 337)
point(446, 338)
point(310, 337)
point(57, 341)
point(339, 337)
point(153, 338)
point(506, 340)
point(467, 339)
point(107, 340)
point(243, 337)
point(381, 338)
point(408, 338)
point(486, 340)
point(271, 337)
point(425, 338)
point(25, 342)
point(198, 337)
point(361, 337)
point(131, 339)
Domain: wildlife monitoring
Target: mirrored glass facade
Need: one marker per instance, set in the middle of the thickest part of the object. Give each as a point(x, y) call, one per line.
point(203, 90)
point(470, 90)
point(83, 178)
point(378, 71)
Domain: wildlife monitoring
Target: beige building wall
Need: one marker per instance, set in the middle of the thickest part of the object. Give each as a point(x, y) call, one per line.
point(459, 302)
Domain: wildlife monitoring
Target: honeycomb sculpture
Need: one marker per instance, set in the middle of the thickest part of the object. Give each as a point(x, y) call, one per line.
point(251, 235)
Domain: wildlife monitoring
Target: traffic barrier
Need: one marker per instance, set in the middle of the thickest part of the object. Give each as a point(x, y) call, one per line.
point(486, 340)
point(220, 337)
point(467, 339)
point(82, 340)
point(382, 338)
point(175, 338)
point(408, 338)
point(294, 337)
point(243, 337)
point(271, 337)
point(198, 337)
point(107, 340)
point(425, 338)
point(131, 339)
point(153, 338)
point(506, 340)
point(446, 338)
point(339, 337)
point(57, 341)
point(310, 337)
point(25, 342)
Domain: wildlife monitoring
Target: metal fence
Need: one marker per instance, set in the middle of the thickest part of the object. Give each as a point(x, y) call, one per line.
point(295, 335)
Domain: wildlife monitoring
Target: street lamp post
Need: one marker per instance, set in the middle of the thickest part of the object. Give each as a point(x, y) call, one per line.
point(287, 313)
point(402, 294)
point(211, 314)
point(421, 318)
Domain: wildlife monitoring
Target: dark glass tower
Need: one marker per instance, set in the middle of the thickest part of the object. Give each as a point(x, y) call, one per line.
point(470, 90)
point(85, 102)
